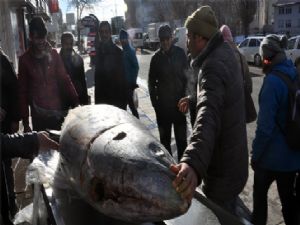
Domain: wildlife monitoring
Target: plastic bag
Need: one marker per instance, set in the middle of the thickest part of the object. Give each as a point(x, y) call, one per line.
point(24, 215)
point(42, 169)
point(35, 213)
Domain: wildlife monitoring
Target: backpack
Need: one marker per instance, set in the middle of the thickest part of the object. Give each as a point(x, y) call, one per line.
point(292, 129)
point(250, 111)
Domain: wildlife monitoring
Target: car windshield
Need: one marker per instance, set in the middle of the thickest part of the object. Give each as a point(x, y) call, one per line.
point(291, 43)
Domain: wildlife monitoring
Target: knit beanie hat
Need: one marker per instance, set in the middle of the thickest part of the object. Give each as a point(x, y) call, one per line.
point(272, 45)
point(164, 31)
point(226, 32)
point(123, 35)
point(203, 22)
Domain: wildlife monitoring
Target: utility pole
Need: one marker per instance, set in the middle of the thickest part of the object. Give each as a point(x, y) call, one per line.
point(78, 23)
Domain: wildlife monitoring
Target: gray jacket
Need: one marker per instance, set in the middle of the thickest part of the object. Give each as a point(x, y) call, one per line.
point(218, 149)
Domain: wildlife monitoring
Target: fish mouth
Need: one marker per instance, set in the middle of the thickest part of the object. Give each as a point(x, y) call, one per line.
point(135, 204)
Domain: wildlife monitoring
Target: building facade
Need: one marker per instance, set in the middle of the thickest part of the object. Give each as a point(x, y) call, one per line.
point(287, 17)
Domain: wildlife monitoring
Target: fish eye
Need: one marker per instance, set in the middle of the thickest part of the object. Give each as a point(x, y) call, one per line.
point(120, 136)
point(154, 147)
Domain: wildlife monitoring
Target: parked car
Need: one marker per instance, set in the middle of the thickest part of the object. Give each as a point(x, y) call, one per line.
point(250, 49)
point(293, 48)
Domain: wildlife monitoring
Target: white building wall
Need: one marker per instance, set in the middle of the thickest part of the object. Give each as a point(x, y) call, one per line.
point(9, 36)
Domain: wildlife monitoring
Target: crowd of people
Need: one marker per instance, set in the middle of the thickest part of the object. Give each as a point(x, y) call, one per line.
point(213, 83)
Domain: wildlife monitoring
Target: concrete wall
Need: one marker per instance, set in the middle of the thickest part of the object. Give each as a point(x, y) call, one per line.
point(7, 33)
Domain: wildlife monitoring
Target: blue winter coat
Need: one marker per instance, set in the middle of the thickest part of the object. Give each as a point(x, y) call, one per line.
point(270, 150)
point(131, 64)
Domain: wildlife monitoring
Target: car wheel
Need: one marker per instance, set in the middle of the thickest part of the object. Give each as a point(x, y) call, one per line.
point(257, 60)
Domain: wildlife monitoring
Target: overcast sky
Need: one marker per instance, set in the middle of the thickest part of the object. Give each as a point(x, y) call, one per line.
point(104, 10)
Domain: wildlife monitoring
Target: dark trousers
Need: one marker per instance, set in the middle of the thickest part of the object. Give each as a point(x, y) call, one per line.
point(42, 123)
point(7, 180)
point(298, 195)
point(165, 120)
point(235, 207)
point(286, 190)
point(131, 103)
point(122, 103)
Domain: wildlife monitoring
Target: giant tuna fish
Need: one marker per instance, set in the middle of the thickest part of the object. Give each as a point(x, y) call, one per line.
point(117, 166)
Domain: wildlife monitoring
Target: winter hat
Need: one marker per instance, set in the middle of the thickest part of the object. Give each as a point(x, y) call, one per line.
point(165, 31)
point(37, 25)
point(226, 32)
point(272, 45)
point(203, 22)
point(123, 35)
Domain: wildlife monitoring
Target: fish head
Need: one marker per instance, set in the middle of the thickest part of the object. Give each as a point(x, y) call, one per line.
point(130, 176)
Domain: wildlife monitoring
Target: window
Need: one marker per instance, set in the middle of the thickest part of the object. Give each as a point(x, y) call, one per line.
point(244, 43)
point(291, 43)
point(281, 10)
point(138, 36)
point(258, 42)
point(252, 43)
point(298, 47)
point(288, 24)
point(299, 9)
point(288, 10)
point(280, 23)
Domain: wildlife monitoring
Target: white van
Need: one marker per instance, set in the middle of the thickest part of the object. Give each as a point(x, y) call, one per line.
point(136, 37)
point(180, 38)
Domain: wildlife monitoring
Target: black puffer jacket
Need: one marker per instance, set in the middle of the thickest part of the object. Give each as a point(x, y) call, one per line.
point(19, 145)
point(75, 68)
point(218, 148)
point(110, 80)
point(9, 94)
point(15, 145)
point(167, 79)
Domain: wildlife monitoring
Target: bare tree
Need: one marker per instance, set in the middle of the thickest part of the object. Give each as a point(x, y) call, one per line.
point(181, 9)
point(130, 15)
point(246, 10)
point(162, 10)
point(81, 5)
